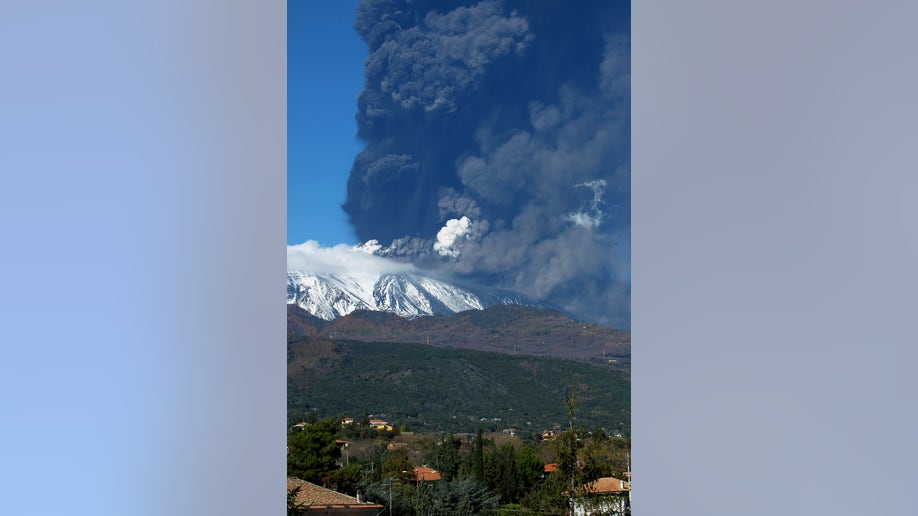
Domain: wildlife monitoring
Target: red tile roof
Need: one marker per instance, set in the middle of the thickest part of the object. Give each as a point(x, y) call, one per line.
point(607, 485)
point(425, 474)
point(551, 466)
point(317, 497)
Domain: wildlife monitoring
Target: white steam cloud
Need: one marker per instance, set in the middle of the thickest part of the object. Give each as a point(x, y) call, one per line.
point(368, 247)
point(311, 257)
point(592, 216)
point(451, 236)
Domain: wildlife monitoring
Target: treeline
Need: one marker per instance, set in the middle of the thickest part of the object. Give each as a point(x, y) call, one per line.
point(479, 474)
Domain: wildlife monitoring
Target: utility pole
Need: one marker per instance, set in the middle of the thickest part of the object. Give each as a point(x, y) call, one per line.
point(389, 484)
point(571, 402)
point(629, 480)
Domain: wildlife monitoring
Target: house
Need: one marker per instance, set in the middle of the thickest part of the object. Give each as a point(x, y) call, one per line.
point(607, 495)
point(425, 474)
point(316, 500)
point(549, 435)
point(347, 421)
point(379, 424)
point(550, 467)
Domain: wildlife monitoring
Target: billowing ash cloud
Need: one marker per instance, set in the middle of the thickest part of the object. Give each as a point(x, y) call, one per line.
point(497, 145)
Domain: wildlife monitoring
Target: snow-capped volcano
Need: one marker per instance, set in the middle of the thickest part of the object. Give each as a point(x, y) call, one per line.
point(331, 295)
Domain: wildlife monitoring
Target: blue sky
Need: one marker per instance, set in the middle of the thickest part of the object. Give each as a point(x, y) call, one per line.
point(324, 74)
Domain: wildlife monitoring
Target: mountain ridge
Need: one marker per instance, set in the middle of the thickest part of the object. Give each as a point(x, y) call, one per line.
point(329, 295)
point(509, 329)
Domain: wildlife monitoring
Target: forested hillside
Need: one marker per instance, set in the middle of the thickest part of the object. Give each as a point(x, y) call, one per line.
point(431, 388)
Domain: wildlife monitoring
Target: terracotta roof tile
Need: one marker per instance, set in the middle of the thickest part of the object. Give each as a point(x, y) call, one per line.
point(425, 474)
point(607, 485)
point(317, 496)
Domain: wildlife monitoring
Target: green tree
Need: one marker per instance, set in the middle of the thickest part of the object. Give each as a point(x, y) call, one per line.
point(391, 492)
point(478, 457)
point(568, 444)
point(460, 497)
point(503, 476)
point(397, 465)
point(546, 497)
point(344, 479)
point(311, 451)
point(445, 458)
point(603, 458)
point(530, 468)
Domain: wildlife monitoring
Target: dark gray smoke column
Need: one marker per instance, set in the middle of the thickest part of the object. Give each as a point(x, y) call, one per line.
point(497, 138)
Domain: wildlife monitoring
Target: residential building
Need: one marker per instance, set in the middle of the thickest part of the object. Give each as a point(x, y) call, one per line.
point(608, 496)
point(425, 474)
point(316, 500)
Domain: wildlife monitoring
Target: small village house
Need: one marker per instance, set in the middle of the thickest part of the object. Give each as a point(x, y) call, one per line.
point(379, 424)
point(316, 500)
point(608, 496)
point(425, 474)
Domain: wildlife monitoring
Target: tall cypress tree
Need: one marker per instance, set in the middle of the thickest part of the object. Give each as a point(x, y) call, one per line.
point(568, 444)
point(478, 458)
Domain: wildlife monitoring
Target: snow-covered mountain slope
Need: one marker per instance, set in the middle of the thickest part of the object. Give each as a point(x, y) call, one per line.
point(328, 296)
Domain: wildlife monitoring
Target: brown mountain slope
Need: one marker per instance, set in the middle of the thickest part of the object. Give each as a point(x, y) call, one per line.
point(504, 329)
point(301, 323)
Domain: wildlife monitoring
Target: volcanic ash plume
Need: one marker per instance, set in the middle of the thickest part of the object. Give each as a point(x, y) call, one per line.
point(497, 142)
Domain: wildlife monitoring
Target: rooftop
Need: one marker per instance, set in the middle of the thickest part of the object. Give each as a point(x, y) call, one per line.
point(425, 474)
point(318, 497)
point(607, 485)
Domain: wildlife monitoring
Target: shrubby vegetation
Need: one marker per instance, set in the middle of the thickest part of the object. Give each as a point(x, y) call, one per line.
point(437, 389)
point(484, 473)
point(445, 395)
